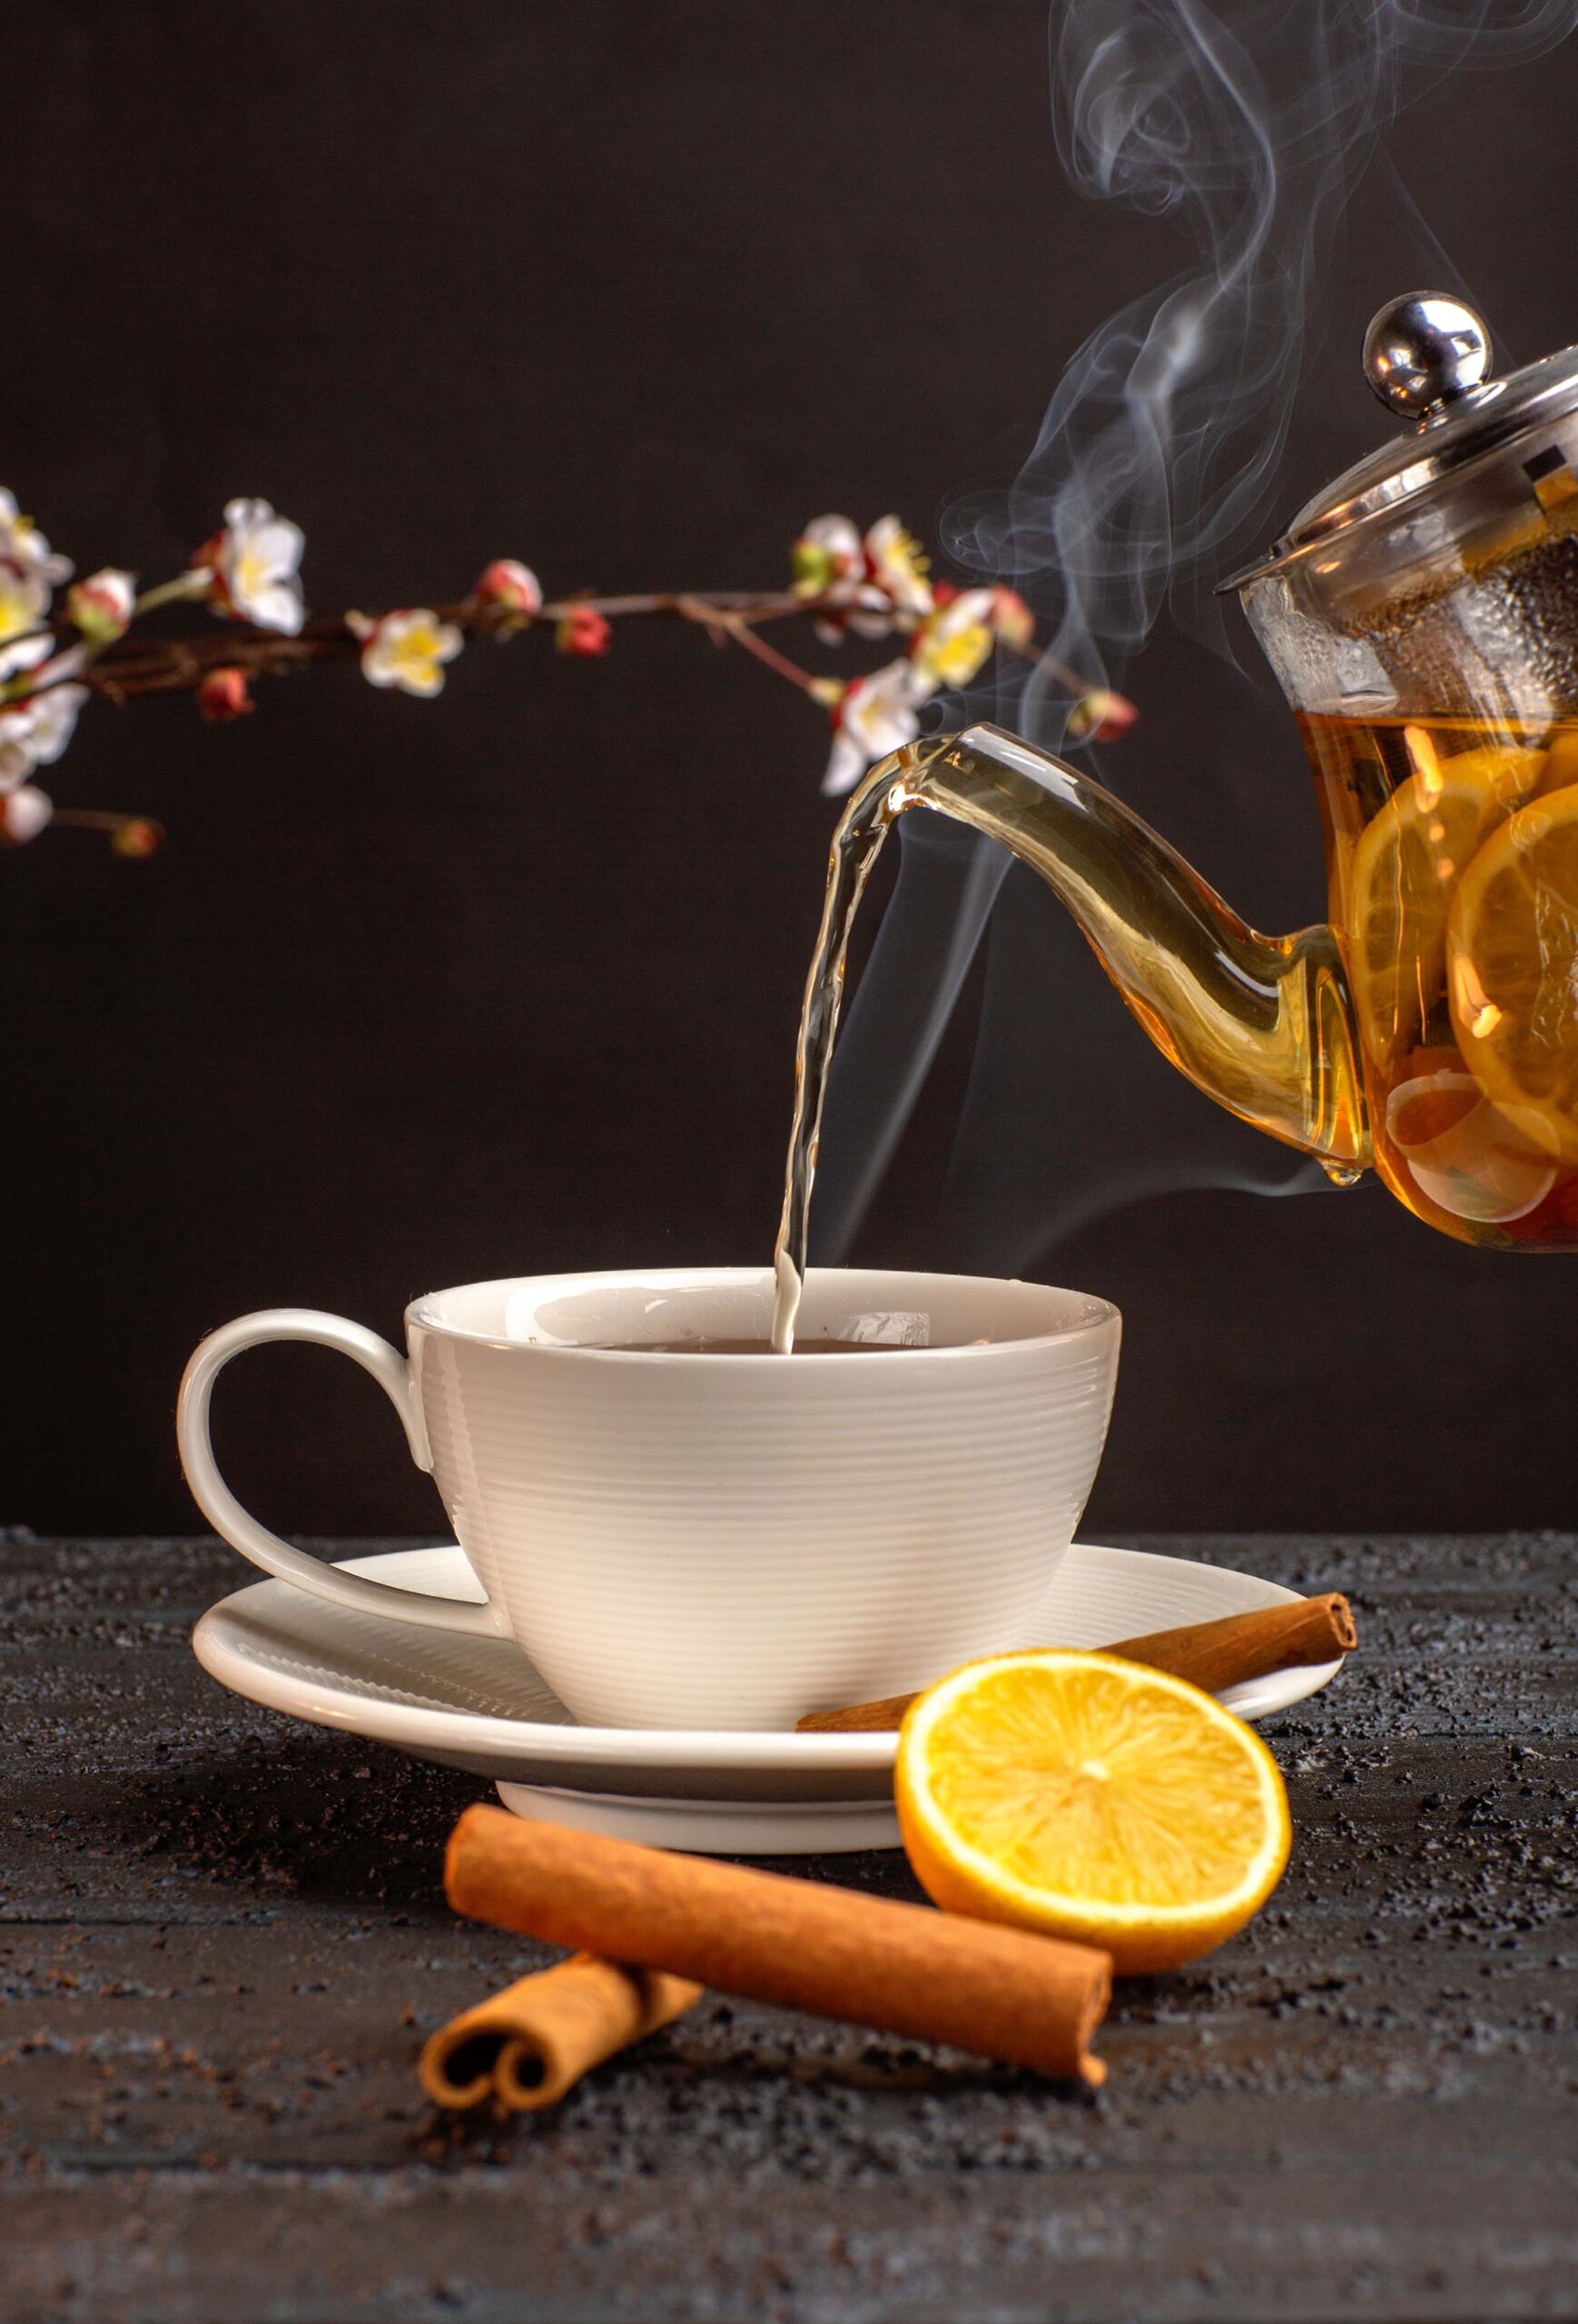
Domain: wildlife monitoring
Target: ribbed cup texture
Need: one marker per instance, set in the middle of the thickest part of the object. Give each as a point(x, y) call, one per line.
point(700, 1541)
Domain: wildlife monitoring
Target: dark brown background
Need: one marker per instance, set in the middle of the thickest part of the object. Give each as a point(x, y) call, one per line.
point(418, 992)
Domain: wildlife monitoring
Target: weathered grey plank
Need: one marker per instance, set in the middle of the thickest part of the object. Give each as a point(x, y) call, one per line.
point(497, 2244)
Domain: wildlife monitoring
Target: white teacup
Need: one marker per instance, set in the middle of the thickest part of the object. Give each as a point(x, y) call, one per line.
point(723, 1540)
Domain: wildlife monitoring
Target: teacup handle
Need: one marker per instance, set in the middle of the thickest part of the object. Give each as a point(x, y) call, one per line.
point(231, 1522)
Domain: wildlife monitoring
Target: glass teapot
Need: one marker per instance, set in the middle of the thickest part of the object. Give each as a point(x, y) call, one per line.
point(1422, 615)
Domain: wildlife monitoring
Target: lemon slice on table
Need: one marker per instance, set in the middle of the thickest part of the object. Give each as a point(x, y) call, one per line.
point(1091, 1799)
point(1513, 970)
point(1405, 866)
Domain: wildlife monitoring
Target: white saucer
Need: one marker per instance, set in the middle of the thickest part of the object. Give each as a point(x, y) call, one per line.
point(479, 1703)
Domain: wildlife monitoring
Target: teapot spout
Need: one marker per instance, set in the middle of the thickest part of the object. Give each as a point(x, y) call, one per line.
point(1263, 1024)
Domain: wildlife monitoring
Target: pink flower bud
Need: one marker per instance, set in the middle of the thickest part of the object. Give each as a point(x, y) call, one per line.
point(1012, 618)
point(139, 835)
point(224, 693)
point(510, 588)
point(101, 605)
point(23, 812)
point(1100, 716)
point(583, 630)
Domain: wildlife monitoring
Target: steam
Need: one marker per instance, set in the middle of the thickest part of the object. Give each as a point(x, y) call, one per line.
point(1248, 124)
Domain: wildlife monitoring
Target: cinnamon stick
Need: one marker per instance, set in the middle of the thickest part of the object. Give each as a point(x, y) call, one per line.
point(1213, 1655)
point(528, 2044)
point(1029, 2000)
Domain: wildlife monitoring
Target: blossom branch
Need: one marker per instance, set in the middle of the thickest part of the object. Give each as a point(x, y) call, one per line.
point(869, 585)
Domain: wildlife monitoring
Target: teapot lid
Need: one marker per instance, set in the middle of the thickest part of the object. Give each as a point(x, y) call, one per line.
point(1426, 356)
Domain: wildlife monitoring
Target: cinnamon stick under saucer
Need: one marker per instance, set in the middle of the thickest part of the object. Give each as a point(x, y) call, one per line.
point(530, 2043)
point(1213, 1655)
point(1031, 2001)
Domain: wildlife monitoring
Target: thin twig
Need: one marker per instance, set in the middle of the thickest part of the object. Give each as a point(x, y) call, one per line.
point(734, 626)
point(1067, 678)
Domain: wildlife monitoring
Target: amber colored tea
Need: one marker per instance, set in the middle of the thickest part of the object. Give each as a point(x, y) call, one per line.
point(700, 1346)
point(1452, 844)
point(1454, 855)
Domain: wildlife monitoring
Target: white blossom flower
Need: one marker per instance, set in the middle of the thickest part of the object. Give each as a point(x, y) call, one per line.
point(253, 567)
point(407, 648)
point(24, 653)
point(896, 565)
point(870, 614)
point(828, 557)
point(873, 715)
point(15, 759)
point(53, 721)
point(28, 570)
point(872, 586)
point(953, 643)
point(35, 731)
point(829, 562)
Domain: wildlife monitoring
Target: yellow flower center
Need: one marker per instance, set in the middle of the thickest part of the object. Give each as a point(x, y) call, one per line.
point(955, 660)
point(16, 611)
point(416, 652)
point(250, 575)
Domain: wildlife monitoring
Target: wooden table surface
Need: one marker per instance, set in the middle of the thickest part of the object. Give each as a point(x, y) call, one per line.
point(224, 1940)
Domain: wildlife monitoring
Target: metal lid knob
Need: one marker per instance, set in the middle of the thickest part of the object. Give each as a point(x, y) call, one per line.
point(1425, 352)
point(1428, 357)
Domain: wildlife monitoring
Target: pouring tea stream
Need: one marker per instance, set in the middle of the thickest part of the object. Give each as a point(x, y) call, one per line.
point(1422, 616)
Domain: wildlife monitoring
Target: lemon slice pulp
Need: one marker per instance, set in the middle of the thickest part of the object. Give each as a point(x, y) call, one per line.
point(1513, 970)
point(1090, 1798)
point(1406, 867)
